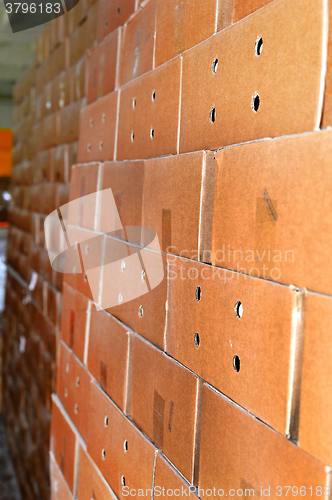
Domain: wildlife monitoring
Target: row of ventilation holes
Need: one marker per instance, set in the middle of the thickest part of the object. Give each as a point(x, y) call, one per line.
point(103, 117)
point(153, 98)
point(238, 310)
point(255, 101)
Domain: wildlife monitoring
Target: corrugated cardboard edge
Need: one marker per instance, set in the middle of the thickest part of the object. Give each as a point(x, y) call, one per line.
point(206, 208)
point(295, 368)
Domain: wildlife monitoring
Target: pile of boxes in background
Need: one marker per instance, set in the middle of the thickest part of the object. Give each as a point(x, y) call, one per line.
point(216, 375)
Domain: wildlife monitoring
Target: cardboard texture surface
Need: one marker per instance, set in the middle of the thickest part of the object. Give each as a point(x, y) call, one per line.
point(149, 114)
point(97, 130)
point(228, 330)
point(315, 423)
point(112, 14)
point(272, 222)
point(163, 404)
point(123, 455)
point(167, 477)
point(243, 8)
point(182, 24)
point(109, 355)
point(59, 487)
point(238, 452)
point(74, 318)
point(234, 87)
point(90, 482)
point(103, 67)
point(137, 49)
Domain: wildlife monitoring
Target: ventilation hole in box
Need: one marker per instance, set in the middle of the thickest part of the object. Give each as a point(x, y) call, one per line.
point(67, 368)
point(106, 23)
point(215, 65)
point(120, 298)
point(198, 293)
point(85, 277)
point(103, 454)
point(153, 97)
point(106, 422)
point(78, 381)
point(125, 446)
point(123, 481)
point(118, 11)
point(89, 148)
point(140, 311)
point(66, 393)
point(91, 122)
point(101, 145)
point(213, 114)
point(197, 340)
point(76, 408)
point(123, 265)
point(143, 275)
point(134, 103)
point(255, 103)
point(259, 46)
point(152, 133)
point(103, 118)
point(238, 309)
point(132, 137)
point(86, 249)
point(236, 363)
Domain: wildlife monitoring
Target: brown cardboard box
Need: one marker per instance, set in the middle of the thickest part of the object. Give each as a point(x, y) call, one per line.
point(315, 435)
point(59, 59)
point(75, 309)
point(243, 8)
point(103, 67)
point(97, 130)
point(239, 453)
point(73, 388)
point(69, 119)
point(50, 131)
point(84, 181)
point(109, 356)
point(229, 329)
point(91, 484)
point(137, 51)
point(59, 487)
point(112, 14)
point(61, 90)
point(63, 441)
point(149, 114)
point(122, 454)
point(167, 480)
point(126, 181)
point(235, 85)
point(164, 396)
point(180, 210)
point(182, 24)
point(269, 219)
point(84, 36)
point(78, 76)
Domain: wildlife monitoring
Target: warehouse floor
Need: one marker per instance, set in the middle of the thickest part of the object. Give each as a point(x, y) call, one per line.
point(9, 489)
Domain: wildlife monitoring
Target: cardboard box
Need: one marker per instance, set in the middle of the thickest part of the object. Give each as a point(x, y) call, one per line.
point(315, 435)
point(242, 9)
point(78, 76)
point(75, 309)
point(235, 85)
point(255, 216)
point(167, 480)
point(69, 120)
point(126, 181)
point(120, 451)
point(59, 487)
point(63, 442)
point(103, 64)
point(163, 404)
point(61, 90)
point(97, 130)
point(112, 14)
point(180, 210)
point(84, 36)
point(91, 484)
point(149, 114)
point(50, 131)
point(232, 344)
point(181, 25)
point(84, 181)
point(240, 456)
point(109, 356)
point(59, 59)
point(73, 388)
point(137, 51)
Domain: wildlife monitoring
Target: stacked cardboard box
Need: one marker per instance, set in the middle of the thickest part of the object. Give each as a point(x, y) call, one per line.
point(205, 365)
point(48, 99)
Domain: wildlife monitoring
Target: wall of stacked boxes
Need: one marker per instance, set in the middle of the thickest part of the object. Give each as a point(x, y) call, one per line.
point(209, 122)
